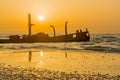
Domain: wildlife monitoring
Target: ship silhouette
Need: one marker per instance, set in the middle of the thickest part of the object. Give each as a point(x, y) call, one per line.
point(78, 36)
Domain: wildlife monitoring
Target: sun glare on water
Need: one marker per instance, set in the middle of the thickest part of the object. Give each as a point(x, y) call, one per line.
point(41, 54)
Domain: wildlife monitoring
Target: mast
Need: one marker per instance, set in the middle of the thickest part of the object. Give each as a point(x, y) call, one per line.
point(29, 25)
point(66, 27)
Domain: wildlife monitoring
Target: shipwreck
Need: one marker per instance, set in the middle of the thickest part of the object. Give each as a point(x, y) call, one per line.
point(77, 36)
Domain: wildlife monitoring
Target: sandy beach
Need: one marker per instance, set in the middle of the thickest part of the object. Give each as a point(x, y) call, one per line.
point(51, 65)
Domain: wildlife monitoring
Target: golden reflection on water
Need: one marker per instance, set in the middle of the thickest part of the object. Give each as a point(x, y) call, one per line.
point(41, 58)
point(38, 58)
point(30, 56)
point(41, 53)
point(82, 62)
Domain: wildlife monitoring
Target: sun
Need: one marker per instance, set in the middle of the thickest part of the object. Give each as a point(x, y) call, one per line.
point(41, 18)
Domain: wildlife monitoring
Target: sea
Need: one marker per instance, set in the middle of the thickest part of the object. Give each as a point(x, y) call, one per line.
point(108, 43)
point(97, 59)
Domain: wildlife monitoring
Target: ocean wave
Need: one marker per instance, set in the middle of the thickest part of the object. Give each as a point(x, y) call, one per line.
point(106, 38)
point(101, 43)
point(102, 49)
point(84, 46)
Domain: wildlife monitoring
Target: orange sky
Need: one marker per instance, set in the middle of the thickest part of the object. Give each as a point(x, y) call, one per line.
point(99, 16)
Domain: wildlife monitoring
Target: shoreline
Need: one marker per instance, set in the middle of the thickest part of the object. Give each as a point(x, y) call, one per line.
point(10, 72)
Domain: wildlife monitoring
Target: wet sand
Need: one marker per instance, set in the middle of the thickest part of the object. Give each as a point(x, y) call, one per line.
point(45, 65)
